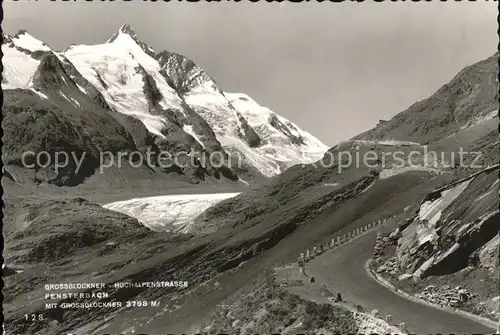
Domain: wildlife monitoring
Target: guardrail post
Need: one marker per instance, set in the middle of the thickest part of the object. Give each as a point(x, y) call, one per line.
point(402, 327)
point(498, 327)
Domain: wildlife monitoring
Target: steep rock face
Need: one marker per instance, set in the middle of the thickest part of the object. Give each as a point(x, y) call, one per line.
point(469, 97)
point(184, 74)
point(83, 84)
point(206, 98)
point(191, 81)
point(453, 227)
point(185, 131)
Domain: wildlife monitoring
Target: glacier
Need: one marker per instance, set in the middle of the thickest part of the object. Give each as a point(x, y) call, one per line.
point(169, 213)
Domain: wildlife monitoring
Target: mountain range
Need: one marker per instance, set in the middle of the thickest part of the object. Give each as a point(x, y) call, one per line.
point(122, 96)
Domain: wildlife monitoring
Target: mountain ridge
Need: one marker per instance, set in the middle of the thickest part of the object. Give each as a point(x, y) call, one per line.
point(180, 105)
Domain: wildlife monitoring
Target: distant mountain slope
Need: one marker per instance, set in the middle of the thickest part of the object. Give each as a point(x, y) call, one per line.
point(180, 107)
point(472, 95)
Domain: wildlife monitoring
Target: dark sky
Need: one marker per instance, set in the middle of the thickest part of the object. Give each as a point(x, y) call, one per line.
point(334, 69)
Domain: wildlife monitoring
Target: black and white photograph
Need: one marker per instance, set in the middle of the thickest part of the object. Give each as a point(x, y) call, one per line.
point(250, 167)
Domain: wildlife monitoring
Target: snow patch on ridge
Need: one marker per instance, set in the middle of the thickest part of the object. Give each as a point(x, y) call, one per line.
point(28, 42)
point(189, 129)
point(19, 68)
point(82, 89)
point(70, 100)
point(43, 96)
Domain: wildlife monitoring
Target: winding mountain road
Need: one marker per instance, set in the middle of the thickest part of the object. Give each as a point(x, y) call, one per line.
point(343, 269)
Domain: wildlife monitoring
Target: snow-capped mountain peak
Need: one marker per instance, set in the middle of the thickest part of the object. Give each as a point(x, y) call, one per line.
point(127, 29)
point(126, 35)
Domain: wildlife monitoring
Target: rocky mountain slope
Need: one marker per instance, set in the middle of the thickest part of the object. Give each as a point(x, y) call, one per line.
point(452, 242)
point(121, 96)
point(470, 97)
